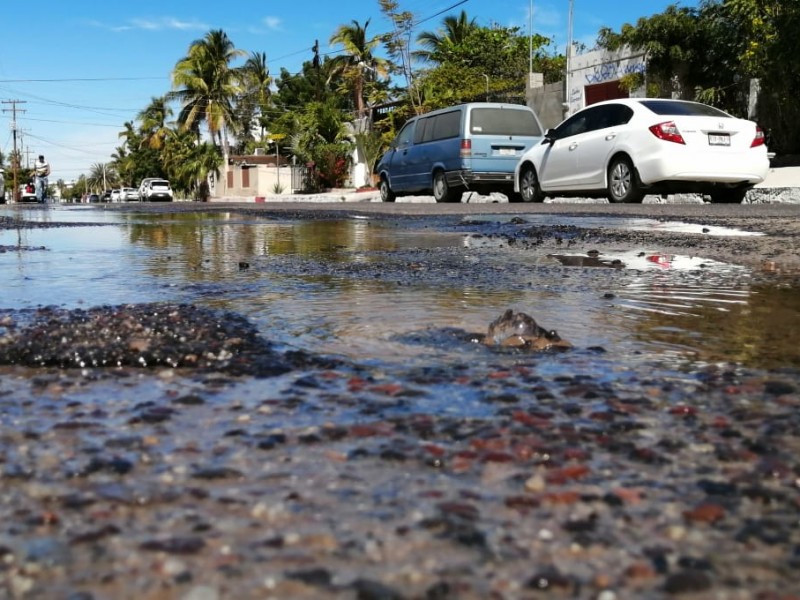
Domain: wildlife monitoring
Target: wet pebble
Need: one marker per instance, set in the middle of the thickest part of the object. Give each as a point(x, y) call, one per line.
point(687, 581)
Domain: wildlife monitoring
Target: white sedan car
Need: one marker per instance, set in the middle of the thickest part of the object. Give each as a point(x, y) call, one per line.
point(623, 149)
point(127, 194)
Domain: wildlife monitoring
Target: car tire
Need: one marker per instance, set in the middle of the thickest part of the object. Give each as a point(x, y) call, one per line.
point(387, 195)
point(529, 188)
point(729, 195)
point(442, 191)
point(623, 182)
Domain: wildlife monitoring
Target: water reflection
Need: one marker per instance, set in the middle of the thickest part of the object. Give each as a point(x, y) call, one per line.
point(637, 259)
point(637, 305)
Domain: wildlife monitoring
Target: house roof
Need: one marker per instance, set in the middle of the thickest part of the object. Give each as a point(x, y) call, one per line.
point(256, 159)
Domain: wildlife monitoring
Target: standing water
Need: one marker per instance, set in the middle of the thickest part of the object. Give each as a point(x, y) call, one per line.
point(373, 447)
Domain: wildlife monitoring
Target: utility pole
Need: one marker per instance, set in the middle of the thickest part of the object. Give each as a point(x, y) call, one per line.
point(568, 73)
point(316, 63)
point(15, 160)
point(530, 42)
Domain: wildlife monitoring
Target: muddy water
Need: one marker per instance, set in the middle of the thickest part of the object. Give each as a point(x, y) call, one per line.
point(647, 304)
point(424, 465)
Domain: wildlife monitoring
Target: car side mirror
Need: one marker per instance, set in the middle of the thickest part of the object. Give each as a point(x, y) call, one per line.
point(550, 136)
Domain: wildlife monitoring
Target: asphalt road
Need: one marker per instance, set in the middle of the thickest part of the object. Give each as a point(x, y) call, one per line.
point(775, 250)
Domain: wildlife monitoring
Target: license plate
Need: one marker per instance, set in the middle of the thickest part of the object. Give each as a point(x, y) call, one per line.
point(719, 139)
point(506, 151)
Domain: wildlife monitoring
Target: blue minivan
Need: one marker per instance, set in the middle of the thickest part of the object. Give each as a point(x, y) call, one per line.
point(447, 152)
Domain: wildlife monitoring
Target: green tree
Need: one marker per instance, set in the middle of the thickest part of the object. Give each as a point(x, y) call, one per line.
point(207, 86)
point(397, 44)
point(769, 53)
point(672, 40)
point(453, 33)
point(358, 66)
point(255, 102)
point(136, 159)
point(124, 164)
point(102, 176)
point(153, 122)
point(711, 53)
point(311, 84)
point(322, 138)
point(189, 164)
point(494, 57)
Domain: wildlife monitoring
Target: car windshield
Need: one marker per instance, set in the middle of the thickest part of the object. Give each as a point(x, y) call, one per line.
point(678, 108)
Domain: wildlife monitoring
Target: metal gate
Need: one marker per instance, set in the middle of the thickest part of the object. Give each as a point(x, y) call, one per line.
point(302, 179)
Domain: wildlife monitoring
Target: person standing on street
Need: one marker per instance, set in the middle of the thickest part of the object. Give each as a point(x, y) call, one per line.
point(41, 172)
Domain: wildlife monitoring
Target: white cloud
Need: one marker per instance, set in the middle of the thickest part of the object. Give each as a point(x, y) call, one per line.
point(159, 24)
point(274, 23)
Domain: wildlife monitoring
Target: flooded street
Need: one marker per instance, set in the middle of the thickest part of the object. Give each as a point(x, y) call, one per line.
point(233, 403)
point(650, 303)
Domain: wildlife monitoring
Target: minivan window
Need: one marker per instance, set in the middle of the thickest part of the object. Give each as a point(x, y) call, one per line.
point(504, 121)
point(424, 130)
point(404, 137)
point(446, 125)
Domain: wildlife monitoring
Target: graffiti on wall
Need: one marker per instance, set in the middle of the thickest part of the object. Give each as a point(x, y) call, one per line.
point(614, 70)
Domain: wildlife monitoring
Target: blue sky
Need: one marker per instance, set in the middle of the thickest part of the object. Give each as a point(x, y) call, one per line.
point(81, 68)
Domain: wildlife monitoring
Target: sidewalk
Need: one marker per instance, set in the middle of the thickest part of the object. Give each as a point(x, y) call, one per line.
point(781, 185)
point(786, 177)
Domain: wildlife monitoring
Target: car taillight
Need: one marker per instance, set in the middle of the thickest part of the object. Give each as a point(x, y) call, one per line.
point(759, 139)
point(466, 149)
point(668, 131)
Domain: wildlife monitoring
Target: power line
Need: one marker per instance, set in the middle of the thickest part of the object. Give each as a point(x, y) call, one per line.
point(68, 79)
point(441, 12)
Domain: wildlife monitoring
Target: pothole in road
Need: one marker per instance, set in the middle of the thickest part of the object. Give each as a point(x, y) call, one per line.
point(625, 224)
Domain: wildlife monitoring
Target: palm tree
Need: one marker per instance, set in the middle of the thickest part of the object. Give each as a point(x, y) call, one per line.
point(124, 164)
point(153, 123)
point(206, 85)
point(102, 176)
point(257, 81)
point(454, 31)
point(205, 160)
point(358, 65)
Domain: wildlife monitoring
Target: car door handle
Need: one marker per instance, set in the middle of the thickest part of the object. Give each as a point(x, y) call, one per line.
point(610, 136)
point(573, 145)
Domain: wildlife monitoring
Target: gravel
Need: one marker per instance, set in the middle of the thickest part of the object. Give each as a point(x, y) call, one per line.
point(168, 451)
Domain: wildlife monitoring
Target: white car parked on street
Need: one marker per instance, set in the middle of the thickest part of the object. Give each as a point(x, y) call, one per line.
point(127, 194)
point(152, 189)
point(626, 148)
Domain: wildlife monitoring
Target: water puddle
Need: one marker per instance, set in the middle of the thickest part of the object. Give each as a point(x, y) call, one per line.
point(625, 224)
point(636, 305)
point(636, 259)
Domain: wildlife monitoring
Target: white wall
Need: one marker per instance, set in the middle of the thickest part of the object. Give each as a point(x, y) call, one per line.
point(601, 66)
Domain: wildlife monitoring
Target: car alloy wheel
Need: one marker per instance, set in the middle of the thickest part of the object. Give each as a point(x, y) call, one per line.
point(623, 185)
point(529, 186)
